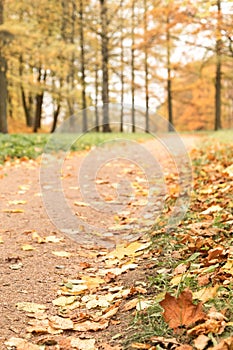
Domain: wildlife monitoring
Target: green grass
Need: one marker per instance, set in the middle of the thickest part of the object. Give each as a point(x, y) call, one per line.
point(33, 145)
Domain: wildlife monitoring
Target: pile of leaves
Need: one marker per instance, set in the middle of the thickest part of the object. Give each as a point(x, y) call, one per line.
point(193, 286)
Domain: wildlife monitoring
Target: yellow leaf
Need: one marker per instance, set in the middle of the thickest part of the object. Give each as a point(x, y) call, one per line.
point(121, 250)
point(64, 301)
point(13, 211)
point(92, 282)
point(53, 239)
point(206, 294)
point(37, 237)
point(81, 204)
point(62, 254)
point(16, 202)
point(27, 247)
point(1, 240)
point(30, 307)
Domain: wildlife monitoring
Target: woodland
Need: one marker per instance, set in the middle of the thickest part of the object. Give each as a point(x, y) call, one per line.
point(169, 57)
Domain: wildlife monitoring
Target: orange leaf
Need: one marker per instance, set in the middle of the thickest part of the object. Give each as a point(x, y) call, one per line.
point(181, 311)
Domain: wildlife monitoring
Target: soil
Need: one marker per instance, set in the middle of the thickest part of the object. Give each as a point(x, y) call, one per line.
point(35, 275)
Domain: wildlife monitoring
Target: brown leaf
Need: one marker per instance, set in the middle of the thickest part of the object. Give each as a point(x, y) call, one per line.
point(225, 344)
point(181, 311)
point(210, 326)
point(201, 342)
point(184, 347)
point(140, 346)
point(130, 305)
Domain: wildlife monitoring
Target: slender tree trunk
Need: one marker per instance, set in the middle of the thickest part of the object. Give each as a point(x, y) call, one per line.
point(27, 110)
point(39, 102)
point(146, 67)
point(55, 117)
point(218, 83)
point(169, 79)
point(82, 61)
point(96, 97)
point(133, 66)
point(105, 60)
point(122, 71)
point(3, 82)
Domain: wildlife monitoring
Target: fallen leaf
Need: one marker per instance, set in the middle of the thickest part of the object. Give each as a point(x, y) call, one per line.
point(225, 344)
point(156, 339)
point(140, 346)
point(81, 204)
point(130, 305)
point(13, 211)
point(30, 307)
point(181, 311)
point(143, 304)
point(42, 327)
point(201, 342)
point(92, 282)
point(206, 294)
point(27, 247)
point(121, 250)
point(16, 202)
point(53, 239)
point(37, 238)
point(214, 253)
point(64, 301)
point(57, 322)
point(90, 326)
point(229, 170)
point(184, 347)
point(112, 311)
point(16, 266)
point(210, 326)
point(83, 344)
point(1, 240)
point(62, 254)
point(212, 209)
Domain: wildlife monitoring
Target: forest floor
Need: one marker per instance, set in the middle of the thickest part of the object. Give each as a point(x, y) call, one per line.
point(169, 289)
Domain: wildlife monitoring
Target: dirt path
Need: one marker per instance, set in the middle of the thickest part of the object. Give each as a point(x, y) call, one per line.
point(30, 268)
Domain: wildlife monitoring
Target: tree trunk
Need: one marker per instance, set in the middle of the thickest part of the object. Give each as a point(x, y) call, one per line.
point(169, 79)
point(3, 83)
point(27, 110)
point(105, 60)
point(218, 87)
point(96, 97)
point(146, 67)
point(83, 73)
point(122, 72)
point(55, 117)
point(133, 66)
point(39, 102)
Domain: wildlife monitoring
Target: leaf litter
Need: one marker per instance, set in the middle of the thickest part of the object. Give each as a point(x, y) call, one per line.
point(93, 301)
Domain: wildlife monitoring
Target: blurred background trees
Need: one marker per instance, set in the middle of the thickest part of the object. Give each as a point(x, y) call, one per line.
point(170, 57)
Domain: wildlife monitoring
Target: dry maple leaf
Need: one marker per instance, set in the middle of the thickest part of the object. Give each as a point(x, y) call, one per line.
point(181, 311)
point(225, 344)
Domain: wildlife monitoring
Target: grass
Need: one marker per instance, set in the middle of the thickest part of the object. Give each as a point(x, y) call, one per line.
point(33, 145)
